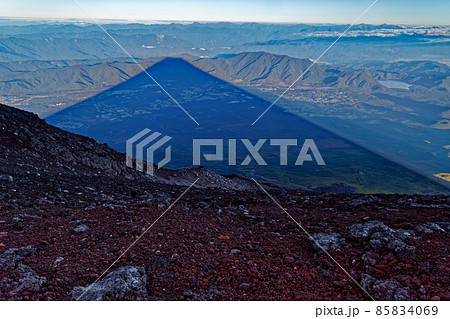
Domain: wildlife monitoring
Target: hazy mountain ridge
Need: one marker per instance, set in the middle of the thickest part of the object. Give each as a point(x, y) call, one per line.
point(23, 81)
point(281, 70)
point(44, 77)
point(429, 74)
point(250, 68)
point(88, 45)
point(72, 41)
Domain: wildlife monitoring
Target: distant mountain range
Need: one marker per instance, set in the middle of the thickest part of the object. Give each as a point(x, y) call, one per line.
point(429, 74)
point(250, 68)
point(282, 70)
point(253, 68)
point(362, 43)
point(58, 84)
point(41, 77)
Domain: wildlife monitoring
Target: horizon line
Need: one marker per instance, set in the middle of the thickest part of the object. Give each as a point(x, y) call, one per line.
point(150, 21)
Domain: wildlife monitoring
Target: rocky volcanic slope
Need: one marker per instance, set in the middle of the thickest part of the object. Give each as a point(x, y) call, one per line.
point(36, 152)
point(69, 208)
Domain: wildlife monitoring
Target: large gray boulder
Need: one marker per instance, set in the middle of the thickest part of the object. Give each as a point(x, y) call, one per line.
point(11, 257)
point(385, 289)
point(327, 241)
point(362, 231)
point(127, 283)
point(382, 237)
point(20, 278)
point(23, 279)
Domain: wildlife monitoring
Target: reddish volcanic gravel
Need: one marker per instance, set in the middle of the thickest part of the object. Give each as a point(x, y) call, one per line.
point(221, 244)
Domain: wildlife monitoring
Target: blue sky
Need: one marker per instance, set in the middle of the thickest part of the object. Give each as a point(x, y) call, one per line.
point(312, 11)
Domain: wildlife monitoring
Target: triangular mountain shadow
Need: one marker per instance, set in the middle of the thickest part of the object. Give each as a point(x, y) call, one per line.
point(223, 112)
